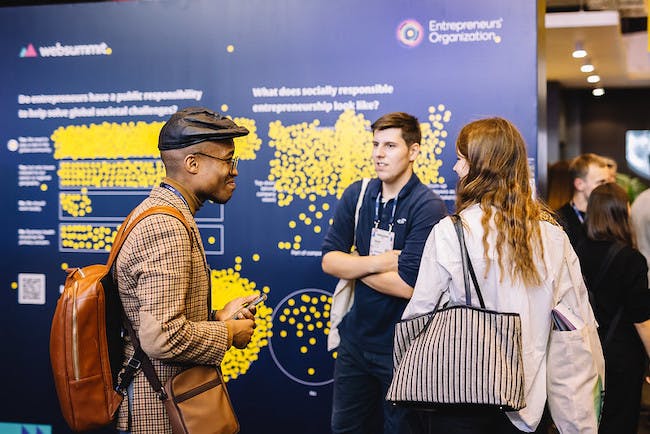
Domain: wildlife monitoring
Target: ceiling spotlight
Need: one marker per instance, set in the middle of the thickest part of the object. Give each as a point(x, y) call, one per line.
point(579, 52)
point(599, 91)
point(587, 67)
point(593, 78)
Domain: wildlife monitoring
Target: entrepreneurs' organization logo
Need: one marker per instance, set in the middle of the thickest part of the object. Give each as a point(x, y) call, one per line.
point(60, 50)
point(410, 33)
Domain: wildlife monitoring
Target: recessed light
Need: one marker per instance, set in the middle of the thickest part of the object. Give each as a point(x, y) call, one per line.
point(587, 66)
point(593, 78)
point(579, 54)
point(599, 91)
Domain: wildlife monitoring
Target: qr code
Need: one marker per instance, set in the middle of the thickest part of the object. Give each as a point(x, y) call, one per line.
point(31, 288)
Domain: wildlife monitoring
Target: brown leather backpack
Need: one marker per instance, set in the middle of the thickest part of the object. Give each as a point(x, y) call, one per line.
point(85, 338)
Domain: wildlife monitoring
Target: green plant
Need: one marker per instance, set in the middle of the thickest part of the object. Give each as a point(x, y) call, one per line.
point(632, 185)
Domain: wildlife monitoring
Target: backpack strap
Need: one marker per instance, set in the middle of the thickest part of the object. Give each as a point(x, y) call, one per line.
point(362, 193)
point(126, 227)
point(139, 358)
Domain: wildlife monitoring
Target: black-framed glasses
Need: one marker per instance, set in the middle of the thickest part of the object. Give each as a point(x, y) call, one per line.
point(233, 161)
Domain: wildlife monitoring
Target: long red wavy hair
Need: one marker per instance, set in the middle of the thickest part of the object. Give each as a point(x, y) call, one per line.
point(499, 181)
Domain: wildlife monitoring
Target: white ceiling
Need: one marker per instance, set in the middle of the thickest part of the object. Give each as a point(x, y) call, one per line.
point(621, 60)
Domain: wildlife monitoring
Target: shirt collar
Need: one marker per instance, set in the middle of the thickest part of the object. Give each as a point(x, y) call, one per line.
point(375, 187)
point(191, 199)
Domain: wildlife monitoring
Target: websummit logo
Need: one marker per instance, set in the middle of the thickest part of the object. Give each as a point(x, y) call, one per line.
point(28, 51)
point(410, 33)
point(60, 50)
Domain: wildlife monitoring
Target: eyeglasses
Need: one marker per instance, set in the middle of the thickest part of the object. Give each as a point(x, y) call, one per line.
point(234, 161)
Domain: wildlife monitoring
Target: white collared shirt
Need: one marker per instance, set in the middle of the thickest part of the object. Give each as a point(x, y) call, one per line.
point(441, 275)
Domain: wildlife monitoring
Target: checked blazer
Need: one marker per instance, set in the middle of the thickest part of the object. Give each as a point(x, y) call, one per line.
point(164, 282)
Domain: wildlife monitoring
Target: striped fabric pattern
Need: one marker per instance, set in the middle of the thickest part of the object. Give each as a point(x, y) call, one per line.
point(405, 334)
point(464, 355)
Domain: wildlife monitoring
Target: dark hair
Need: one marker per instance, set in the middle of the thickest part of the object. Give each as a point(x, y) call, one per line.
point(409, 125)
point(560, 185)
point(608, 217)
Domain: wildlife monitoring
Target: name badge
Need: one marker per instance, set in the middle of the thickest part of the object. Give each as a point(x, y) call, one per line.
point(381, 241)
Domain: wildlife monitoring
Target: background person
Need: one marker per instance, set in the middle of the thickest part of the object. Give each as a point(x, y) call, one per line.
point(640, 215)
point(588, 171)
point(623, 287)
point(396, 215)
point(560, 185)
point(162, 273)
point(612, 166)
point(523, 261)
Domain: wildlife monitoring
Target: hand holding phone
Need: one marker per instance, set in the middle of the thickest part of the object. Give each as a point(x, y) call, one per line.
point(250, 305)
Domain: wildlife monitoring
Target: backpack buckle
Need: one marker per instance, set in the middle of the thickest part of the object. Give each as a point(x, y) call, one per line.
point(126, 375)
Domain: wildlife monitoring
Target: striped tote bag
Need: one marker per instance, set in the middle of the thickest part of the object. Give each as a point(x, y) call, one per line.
point(460, 354)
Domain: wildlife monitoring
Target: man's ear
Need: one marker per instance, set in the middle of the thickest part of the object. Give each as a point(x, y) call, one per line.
point(414, 151)
point(191, 163)
point(579, 184)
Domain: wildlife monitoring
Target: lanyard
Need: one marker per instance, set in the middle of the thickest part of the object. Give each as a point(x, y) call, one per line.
point(205, 260)
point(173, 190)
point(392, 215)
point(579, 213)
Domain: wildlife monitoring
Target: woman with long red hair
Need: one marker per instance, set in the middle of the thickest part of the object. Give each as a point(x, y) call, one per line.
point(524, 264)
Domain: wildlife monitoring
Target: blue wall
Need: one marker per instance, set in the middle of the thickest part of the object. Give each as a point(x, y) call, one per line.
point(86, 88)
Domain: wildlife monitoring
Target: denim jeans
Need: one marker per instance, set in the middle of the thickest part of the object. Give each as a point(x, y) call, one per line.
point(361, 380)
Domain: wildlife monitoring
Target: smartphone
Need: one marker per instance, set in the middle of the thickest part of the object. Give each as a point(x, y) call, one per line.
point(253, 303)
point(257, 301)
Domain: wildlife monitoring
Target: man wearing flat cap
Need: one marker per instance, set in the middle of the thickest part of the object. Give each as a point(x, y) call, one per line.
point(162, 272)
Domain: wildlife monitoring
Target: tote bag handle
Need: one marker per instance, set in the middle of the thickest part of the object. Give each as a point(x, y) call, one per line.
point(468, 269)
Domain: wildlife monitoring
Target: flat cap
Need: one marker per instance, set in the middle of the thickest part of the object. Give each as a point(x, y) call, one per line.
point(193, 125)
